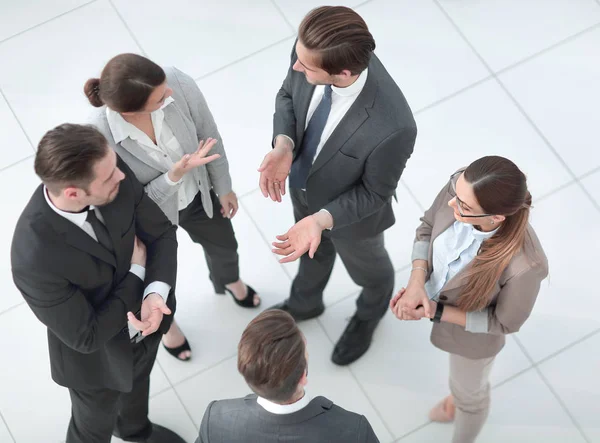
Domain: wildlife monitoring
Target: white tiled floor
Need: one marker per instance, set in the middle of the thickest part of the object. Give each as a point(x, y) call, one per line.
point(540, 110)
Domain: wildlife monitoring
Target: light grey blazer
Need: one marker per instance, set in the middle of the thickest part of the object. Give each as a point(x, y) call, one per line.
point(191, 121)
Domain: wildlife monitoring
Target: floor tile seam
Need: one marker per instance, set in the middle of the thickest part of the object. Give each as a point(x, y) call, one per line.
point(47, 21)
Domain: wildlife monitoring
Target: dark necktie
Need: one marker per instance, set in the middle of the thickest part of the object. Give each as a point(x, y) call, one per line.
point(101, 232)
point(312, 136)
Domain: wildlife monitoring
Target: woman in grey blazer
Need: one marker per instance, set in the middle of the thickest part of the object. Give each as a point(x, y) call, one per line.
point(477, 269)
point(159, 123)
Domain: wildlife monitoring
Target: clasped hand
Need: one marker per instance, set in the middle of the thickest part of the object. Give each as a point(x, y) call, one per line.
point(412, 303)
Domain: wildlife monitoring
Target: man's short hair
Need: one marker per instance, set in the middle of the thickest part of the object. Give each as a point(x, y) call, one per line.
point(271, 355)
point(66, 156)
point(340, 38)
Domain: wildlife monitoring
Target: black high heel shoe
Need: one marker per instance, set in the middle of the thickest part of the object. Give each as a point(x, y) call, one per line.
point(248, 301)
point(175, 352)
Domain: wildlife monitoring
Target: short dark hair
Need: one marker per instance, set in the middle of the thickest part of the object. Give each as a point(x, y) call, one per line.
point(271, 355)
point(66, 156)
point(340, 37)
point(125, 84)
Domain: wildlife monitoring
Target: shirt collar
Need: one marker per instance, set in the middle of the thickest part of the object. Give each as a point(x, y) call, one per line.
point(355, 88)
point(275, 408)
point(480, 235)
point(78, 218)
point(121, 128)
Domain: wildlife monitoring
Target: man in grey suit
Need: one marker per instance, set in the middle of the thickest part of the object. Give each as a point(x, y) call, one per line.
point(343, 133)
point(273, 359)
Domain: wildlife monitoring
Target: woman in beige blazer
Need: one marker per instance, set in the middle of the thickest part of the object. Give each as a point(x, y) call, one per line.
point(476, 273)
point(159, 123)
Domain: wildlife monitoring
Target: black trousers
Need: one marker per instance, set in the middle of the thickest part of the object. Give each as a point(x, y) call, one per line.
point(366, 260)
point(217, 239)
point(97, 414)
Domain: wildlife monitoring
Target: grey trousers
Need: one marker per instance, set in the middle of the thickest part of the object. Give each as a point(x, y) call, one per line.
point(366, 260)
point(470, 387)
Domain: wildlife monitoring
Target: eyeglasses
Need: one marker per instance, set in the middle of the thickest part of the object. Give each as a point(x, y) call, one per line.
point(459, 203)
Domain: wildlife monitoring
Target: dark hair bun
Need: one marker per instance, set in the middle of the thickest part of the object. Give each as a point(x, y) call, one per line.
point(92, 92)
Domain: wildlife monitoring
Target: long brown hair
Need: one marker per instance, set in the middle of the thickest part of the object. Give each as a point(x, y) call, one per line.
point(125, 84)
point(501, 189)
point(339, 36)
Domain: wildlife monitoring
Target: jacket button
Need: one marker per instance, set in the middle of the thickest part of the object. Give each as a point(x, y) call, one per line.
point(443, 298)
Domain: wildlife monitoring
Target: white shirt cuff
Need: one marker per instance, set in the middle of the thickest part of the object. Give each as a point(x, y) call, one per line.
point(171, 182)
point(161, 288)
point(289, 138)
point(138, 270)
point(325, 210)
point(477, 322)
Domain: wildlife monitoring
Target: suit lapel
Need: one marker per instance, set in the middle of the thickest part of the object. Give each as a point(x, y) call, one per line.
point(180, 130)
point(354, 118)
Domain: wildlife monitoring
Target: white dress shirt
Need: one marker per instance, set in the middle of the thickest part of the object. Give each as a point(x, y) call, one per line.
point(167, 152)
point(276, 408)
point(341, 101)
point(80, 219)
point(453, 250)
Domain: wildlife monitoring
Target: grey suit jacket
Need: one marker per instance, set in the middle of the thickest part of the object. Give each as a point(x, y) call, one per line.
point(191, 121)
point(243, 420)
point(355, 175)
point(511, 301)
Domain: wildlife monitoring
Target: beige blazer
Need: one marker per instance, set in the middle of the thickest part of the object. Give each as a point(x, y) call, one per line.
point(513, 296)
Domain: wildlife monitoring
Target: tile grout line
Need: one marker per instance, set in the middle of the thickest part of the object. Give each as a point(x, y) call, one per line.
point(176, 394)
point(366, 2)
point(20, 125)
point(131, 34)
point(453, 95)
point(11, 308)
point(516, 103)
point(3, 420)
point(201, 371)
point(551, 389)
point(246, 57)
point(255, 224)
point(18, 162)
point(360, 386)
point(283, 16)
point(564, 348)
point(417, 429)
point(47, 21)
point(548, 49)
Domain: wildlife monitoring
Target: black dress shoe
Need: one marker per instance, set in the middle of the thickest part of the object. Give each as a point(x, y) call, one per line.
point(160, 434)
point(355, 341)
point(298, 316)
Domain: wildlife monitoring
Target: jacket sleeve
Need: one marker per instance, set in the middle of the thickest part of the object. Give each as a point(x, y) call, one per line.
point(365, 432)
point(382, 172)
point(284, 119)
point(156, 231)
point(159, 190)
point(515, 301)
point(65, 310)
point(218, 170)
point(204, 436)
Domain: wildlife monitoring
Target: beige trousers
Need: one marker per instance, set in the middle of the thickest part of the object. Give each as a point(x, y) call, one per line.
point(470, 387)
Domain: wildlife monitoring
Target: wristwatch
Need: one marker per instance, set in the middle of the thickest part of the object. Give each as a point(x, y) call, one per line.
point(439, 310)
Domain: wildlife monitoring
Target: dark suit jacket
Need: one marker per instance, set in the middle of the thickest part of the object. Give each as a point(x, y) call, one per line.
point(243, 420)
point(356, 173)
point(82, 293)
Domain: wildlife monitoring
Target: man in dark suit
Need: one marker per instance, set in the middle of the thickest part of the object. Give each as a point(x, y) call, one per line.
point(343, 132)
point(273, 359)
point(91, 249)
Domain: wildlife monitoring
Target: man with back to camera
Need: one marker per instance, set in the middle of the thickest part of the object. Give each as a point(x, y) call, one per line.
point(343, 133)
point(89, 250)
point(273, 359)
